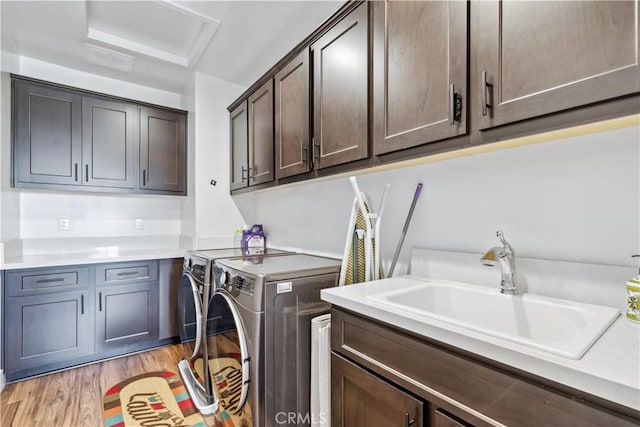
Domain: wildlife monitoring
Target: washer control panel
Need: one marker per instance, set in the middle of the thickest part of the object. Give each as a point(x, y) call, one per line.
point(231, 281)
point(244, 284)
point(197, 266)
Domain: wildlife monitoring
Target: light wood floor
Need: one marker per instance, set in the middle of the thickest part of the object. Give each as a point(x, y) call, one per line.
point(73, 398)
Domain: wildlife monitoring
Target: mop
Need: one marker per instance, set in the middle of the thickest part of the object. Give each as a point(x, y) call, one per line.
point(361, 260)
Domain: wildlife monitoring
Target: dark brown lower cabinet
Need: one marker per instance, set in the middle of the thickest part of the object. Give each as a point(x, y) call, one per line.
point(380, 373)
point(360, 398)
point(127, 314)
point(48, 328)
point(59, 317)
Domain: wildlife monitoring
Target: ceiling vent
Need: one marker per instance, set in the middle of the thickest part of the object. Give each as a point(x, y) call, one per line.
point(109, 58)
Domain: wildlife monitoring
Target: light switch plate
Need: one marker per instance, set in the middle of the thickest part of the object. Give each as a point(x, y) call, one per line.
point(63, 224)
point(139, 224)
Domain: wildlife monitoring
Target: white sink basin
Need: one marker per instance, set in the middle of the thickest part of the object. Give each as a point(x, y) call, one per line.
point(562, 327)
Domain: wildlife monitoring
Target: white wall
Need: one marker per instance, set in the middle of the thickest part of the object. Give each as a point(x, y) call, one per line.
point(97, 215)
point(576, 199)
point(216, 215)
point(9, 198)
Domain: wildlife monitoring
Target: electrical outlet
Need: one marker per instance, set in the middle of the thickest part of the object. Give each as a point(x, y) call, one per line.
point(139, 224)
point(63, 224)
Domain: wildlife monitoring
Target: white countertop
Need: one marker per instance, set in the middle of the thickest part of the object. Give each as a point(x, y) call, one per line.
point(88, 257)
point(610, 369)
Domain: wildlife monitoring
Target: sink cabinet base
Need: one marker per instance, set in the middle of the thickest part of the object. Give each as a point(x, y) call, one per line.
point(467, 389)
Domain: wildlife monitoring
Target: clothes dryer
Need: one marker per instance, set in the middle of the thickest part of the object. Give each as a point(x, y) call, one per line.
point(260, 368)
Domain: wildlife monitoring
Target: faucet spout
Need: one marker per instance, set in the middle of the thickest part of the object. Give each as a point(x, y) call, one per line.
point(504, 257)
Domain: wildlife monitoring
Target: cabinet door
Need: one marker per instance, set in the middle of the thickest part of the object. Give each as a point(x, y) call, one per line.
point(162, 150)
point(46, 329)
point(261, 135)
point(359, 398)
point(109, 142)
point(419, 72)
point(292, 117)
point(47, 134)
point(535, 58)
point(126, 314)
point(239, 147)
point(340, 88)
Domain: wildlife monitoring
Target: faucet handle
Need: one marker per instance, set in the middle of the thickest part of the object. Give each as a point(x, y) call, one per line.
point(504, 242)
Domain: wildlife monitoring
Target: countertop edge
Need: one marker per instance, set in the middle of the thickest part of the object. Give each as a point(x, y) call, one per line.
point(82, 258)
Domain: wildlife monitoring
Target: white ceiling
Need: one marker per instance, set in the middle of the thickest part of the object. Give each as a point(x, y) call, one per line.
point(161, 42)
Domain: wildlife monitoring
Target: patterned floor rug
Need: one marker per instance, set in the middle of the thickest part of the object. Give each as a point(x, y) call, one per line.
point(156, 398)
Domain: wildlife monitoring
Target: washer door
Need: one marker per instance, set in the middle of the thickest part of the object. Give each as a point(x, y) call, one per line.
point(190, 316)
point(227, 353)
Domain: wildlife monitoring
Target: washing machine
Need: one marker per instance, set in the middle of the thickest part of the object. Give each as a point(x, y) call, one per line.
point(260, 367)
point(194, 306)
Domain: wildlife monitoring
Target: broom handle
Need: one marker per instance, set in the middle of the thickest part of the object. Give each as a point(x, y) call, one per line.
point(404, 230)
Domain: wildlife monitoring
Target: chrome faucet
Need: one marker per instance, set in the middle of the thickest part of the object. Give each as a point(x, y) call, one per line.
point(503, 256)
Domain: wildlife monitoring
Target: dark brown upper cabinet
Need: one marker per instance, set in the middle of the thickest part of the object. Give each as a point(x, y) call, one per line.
point(72, 139)
point(535, 58)
point(340, 91)
point(292, 117)
point(109, 143)
point(162, 150)
point(419, 72)
point(47, 135)
point(434, 76)
point(239, 147)
point(261, 135)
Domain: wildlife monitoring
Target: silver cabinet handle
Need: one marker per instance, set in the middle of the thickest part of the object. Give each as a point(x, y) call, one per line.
point(100, 301)
point(82, 304)
point(484, 85)
point(455, 105)
point(127, 273)
point(144, 177)
point(59, 279)
point(408, 422)
point(303, 153)
point(316, 149)
point(86, 172)
point(75, 166)
point(245, 170)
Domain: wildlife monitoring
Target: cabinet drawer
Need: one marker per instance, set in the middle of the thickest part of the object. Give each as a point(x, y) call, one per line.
point(130, 272)
point(44, 280)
